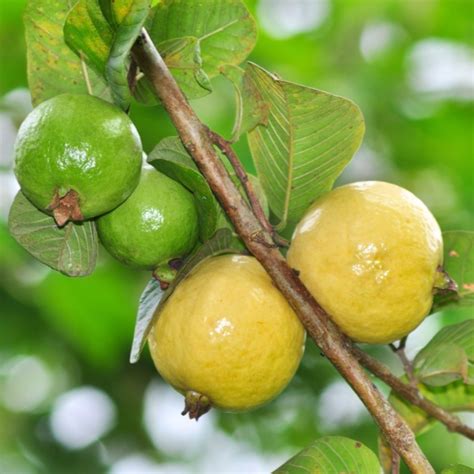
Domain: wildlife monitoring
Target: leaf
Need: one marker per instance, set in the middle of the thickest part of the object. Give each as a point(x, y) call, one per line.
point(88, 33)
point(52, 67)
point(453, 397)
point(147, 305)
point(457, 469)
point(459, 265)
point(332, 455)
point(309, 138)
point(223, 32)
point(171, 158)
point(132, 18)
point(153, 298)
point(447, 356)
point(71, 250)
point(225, 29)
point(251, 108)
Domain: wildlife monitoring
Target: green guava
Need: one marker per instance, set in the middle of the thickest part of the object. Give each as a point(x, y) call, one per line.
point(77, 157)
point(157, 223)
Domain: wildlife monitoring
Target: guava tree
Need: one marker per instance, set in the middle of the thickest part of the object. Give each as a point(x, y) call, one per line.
point(366, 259)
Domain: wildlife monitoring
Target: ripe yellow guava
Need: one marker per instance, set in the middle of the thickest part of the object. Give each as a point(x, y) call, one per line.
point(228, 334)
point(369, 253)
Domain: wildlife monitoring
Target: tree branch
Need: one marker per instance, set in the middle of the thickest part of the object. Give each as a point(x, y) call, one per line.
point(325, 334)
point(412, 394)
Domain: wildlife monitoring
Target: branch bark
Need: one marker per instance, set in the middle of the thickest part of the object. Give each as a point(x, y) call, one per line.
point(336, 347)
point(412, 394)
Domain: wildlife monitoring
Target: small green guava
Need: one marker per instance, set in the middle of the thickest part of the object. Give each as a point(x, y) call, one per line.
point(156, 224)
point(77, 157)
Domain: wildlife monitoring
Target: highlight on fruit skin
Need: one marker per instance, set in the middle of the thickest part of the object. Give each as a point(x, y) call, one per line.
point(157, 223)
point(77, 157)
point(369, 252)
point(227, 336)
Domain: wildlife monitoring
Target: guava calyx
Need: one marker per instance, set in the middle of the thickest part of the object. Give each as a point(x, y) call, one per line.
point(66, 208)
point(444, 284)
point(195, 405)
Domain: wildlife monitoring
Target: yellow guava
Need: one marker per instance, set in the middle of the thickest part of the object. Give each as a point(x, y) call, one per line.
point(369, 252)
point(227, 335)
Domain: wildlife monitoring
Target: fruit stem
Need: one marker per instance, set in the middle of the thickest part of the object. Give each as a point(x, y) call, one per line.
point(406, 362)
point(66, 208)
point(195, 405)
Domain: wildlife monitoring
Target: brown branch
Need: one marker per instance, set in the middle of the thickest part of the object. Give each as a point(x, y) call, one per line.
point(325, 334)
point(395, 463)
point(226, 147)
point(412, 394)
point(407, 363)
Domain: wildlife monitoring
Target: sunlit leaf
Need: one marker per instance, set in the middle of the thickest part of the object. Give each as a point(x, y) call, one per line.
point(459, 265)
point(448, 356)
point(171, 158)
point(332, 455)
point(224, 29)
point(71, 250)
point(52, 67)
point(153, 297)
point(309, 138)
point(89, 34)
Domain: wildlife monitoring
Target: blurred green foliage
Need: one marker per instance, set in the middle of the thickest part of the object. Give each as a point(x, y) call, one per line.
point(57, 334)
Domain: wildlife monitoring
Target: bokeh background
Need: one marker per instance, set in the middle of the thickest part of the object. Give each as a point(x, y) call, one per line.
point(69, 400)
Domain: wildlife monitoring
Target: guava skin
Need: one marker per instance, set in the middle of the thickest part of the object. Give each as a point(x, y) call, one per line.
point(227, 334)
point(157, 223)
point(78, 143)
point(369, 252)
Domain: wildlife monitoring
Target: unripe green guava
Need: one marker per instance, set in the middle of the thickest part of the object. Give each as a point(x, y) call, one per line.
point(157, 223)
point(77, 156)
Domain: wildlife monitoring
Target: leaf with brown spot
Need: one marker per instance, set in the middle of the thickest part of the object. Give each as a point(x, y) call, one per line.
point(52, 67)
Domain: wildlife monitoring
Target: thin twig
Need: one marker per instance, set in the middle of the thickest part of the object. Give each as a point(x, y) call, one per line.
point(324, 332)
point(412, 394)
point(406, 362)
point(226, 147)
point(395, 462)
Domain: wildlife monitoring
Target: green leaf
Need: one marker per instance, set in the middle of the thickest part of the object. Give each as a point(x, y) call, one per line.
point(457, 469)
point(132, 20)
point(332, 455)
point(153, 298)
point(453, 397)
point(88, 33)
point(171, 158)
point(52, 67)
point(218, 33)
point(459, 265)
point(309, 138)
point(147, 305)
point(71, 250)
point(448, 356)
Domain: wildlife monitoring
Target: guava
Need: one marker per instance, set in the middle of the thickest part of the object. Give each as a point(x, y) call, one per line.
point(370, 254)
point(77, 157)
point(226, 337)
point(157, 223)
